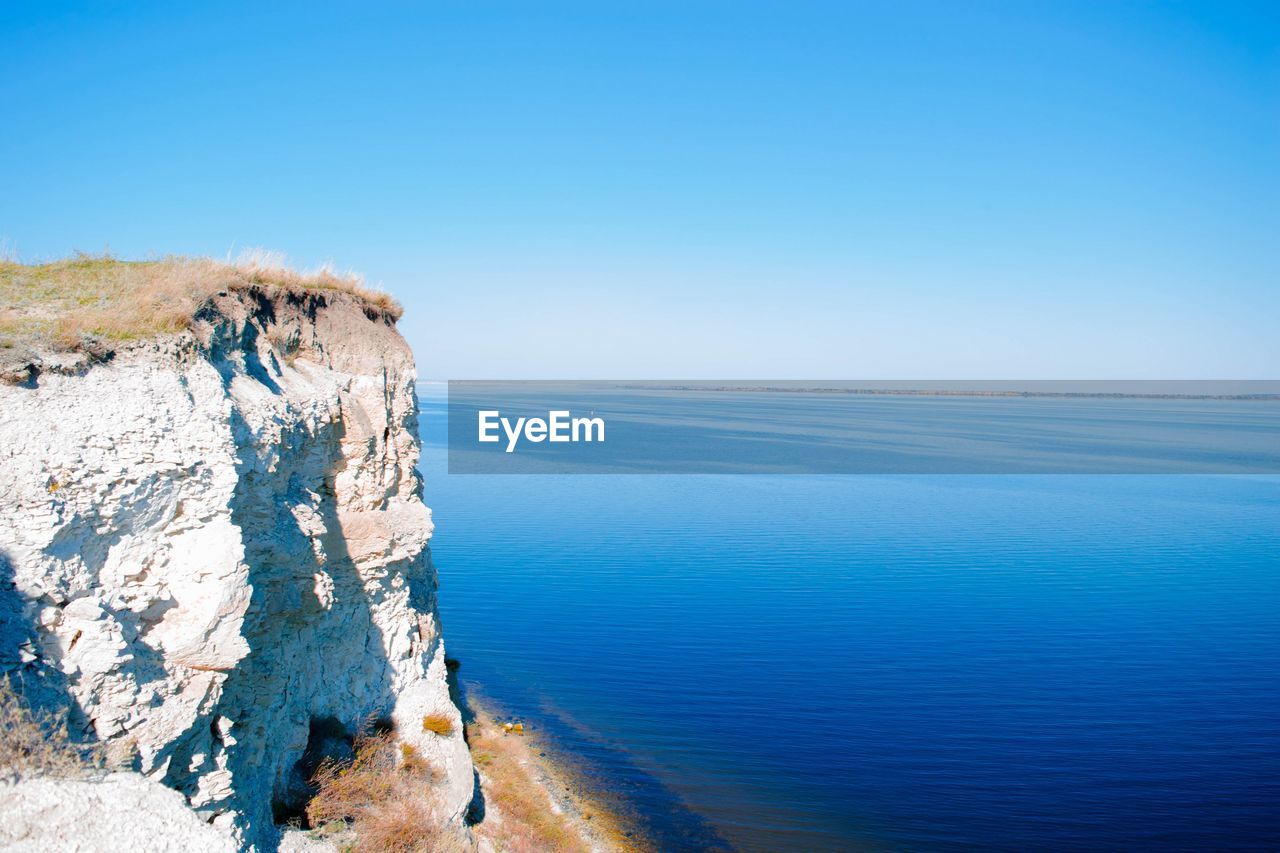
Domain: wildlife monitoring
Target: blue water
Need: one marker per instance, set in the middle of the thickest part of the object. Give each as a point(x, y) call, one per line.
point(911, 662)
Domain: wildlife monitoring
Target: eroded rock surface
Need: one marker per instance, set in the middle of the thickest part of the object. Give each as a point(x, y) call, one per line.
point(123, 811)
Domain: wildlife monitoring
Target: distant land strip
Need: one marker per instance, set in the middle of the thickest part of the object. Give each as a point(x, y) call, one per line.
point(943, 392)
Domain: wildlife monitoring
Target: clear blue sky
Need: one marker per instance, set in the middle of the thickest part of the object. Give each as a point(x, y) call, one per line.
point(690, 189)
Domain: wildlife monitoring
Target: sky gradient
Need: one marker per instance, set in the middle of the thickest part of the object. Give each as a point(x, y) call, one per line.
point(685, 190)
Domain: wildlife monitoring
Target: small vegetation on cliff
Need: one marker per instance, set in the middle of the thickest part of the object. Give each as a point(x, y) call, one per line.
point(439, 724)
point(382, 797)
point(98, 296)
point(34, 742)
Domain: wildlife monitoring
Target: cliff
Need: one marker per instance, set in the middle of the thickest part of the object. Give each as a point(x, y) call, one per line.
point(213, 549)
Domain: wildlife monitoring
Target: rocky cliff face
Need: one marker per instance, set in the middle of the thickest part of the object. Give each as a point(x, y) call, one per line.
point(213, 547)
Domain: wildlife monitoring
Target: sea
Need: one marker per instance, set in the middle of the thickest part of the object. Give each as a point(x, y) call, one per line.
point(812, 662)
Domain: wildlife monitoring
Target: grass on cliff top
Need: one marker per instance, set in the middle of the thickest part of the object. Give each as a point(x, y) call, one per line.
point(63, 302)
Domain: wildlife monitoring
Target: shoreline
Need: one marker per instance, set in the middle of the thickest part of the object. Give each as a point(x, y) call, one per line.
point(532, 796)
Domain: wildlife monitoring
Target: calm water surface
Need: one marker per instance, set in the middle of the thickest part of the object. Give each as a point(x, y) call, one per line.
point(911, 662)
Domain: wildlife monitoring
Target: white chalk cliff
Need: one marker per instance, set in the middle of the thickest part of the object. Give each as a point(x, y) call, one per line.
point(213, 548)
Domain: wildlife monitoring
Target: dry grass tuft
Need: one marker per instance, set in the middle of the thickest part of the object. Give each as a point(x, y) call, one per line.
point(401, 824)
point(412, 761)
point(36, 743)
point(439, 724)
point(65, 301)
point(384, 796)
point(346, 791)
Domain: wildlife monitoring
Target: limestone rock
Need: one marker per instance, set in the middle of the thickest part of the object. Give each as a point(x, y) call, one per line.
point(123, 811)
point(217, 539)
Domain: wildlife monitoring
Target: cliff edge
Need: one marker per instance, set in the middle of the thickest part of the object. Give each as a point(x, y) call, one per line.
point(213, 548)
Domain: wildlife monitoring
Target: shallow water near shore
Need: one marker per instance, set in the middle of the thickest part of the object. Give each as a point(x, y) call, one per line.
point(836, 662)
